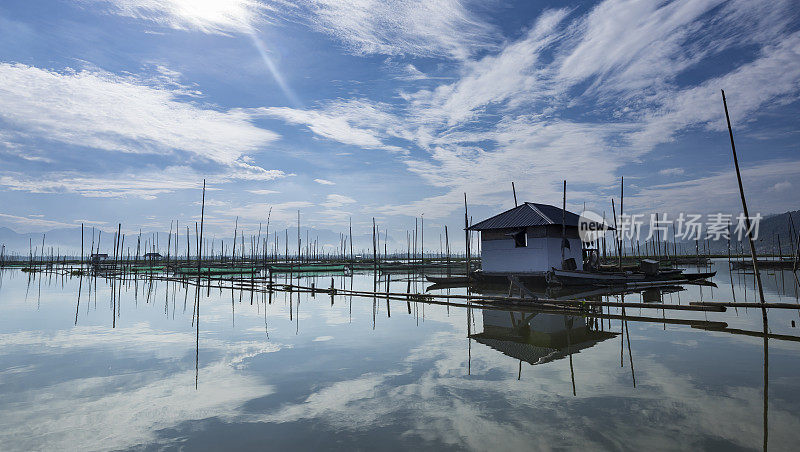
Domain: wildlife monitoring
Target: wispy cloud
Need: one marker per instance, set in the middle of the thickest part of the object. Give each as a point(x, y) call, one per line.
point(515, 114)
point(671, 171)
point(335, 201)
point(283, 212)
point(208, 16)
point(781, 186)
point(32, 221)
point(100, 110)
point(146, 185)
point(358, 122)
point(428, 28)
point(403, 27)
point(324, 182)
point(695, 195)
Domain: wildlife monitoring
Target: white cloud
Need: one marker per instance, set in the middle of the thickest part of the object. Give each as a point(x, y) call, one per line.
point(770, 77)
point(335, 201)
point(324, 182)
point(141, 184)
point(328, 126)
point(624, 40)
point(32, 222)
point(100, 110)
point(403, 27)
point(671, 171)
point(357, 122)
point(284, 212)
point(263, 192)
point(782, 186)
point(719, 192)
point(208, 16)
point(444, 28)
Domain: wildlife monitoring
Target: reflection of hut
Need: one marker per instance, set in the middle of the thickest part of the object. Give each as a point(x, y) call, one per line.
point(527, 240)
point(537, 338)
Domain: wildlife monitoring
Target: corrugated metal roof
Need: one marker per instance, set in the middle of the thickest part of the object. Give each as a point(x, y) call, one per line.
point(527, 214)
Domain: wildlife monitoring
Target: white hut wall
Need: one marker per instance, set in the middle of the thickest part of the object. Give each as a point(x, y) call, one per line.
point(500, 252)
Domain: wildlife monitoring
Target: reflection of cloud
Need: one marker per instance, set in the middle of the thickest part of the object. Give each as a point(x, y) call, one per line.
point(84, 411)
point(473, 412)
point(426, 393)
point(69, 414)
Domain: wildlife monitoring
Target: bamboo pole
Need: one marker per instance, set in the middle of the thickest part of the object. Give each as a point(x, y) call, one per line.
point(514, 190)
point(563, 223)
point(744, 203)
point(466, 235)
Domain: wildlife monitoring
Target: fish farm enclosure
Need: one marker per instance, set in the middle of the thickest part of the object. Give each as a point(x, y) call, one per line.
point(301, 357)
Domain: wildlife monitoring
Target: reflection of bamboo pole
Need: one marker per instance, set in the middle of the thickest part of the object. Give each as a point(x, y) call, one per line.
point(630, 352)
point(197, 302)
point(568, 326)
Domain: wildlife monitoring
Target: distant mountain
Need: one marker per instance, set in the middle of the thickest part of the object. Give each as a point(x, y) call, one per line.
point(67, 241)
point(772, 229)
point(776, 228)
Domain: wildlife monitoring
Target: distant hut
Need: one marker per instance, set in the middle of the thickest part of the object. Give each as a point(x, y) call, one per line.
point(96, 258)
point(527, 241)
point(152, 256)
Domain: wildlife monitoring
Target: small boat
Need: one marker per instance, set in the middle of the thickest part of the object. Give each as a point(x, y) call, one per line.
point(456, 279)
point(584, 278)
point(699, 276)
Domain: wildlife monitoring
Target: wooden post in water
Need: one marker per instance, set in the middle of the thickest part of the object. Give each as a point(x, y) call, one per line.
point(298, 236)
point(351, 238)
point(374, 251)
point(618, 242)
point(744, 201)
point(235, 235)
point(447, 249)
point(422, 241)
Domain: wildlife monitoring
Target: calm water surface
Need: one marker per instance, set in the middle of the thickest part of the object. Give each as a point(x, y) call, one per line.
point(304, 372)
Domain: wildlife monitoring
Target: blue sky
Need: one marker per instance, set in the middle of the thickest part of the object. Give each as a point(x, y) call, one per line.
point(115, 110)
